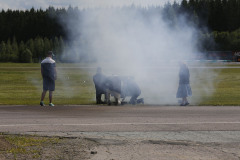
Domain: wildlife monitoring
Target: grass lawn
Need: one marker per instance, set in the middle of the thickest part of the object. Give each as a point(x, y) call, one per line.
point(15, 146)
point(22, 147)
point(227, 88)
point(21, 84)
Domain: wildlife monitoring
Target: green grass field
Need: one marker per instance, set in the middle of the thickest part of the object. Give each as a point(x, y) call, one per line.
point(21, 84)
point(226, 88)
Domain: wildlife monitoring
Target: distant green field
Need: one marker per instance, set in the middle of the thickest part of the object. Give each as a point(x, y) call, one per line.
point(21, 84)
point(227, 88)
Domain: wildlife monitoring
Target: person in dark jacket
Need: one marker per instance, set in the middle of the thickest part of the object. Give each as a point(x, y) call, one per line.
point(99, 80)
point(49, 75)
point(184, 88)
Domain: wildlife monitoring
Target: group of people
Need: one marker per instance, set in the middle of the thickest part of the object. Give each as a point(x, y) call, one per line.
point(104, 86)
point(119, 87)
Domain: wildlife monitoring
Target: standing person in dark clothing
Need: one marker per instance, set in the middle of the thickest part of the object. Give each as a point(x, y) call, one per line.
point(184, 88)
point(99, 80)
point(49, 75)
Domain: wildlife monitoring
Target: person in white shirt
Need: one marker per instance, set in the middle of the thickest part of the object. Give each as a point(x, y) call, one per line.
point(49, 75)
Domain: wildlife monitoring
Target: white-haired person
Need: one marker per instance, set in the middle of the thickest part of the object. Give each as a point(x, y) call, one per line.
point(184, 88)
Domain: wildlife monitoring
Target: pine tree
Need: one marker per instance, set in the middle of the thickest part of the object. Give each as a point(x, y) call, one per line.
point(30, 46)
point(39, 48)
point(3, 50)
point(27, 56)
point(21, 50)
point(47, 45)
point(15, 50)
point(9, 51)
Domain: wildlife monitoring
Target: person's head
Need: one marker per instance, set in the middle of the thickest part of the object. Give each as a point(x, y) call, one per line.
point(49, 54)
point(99, 70)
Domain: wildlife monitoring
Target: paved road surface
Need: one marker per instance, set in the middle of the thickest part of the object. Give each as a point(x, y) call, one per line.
point(124, 119)
point(136, 132)
point(119, 118)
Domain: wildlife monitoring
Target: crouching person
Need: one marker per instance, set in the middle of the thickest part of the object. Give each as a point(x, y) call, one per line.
point(99, 80)
point(133, 90)
point(113, 85)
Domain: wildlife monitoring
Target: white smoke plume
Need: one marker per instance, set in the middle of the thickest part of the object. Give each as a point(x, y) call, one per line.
point(130, 42)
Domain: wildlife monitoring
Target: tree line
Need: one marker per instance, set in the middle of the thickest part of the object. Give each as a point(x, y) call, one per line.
point(27, 35)
point(218, 22)
point(33, 50)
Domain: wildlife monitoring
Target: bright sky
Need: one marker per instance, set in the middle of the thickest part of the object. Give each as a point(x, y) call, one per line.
point(43, 4)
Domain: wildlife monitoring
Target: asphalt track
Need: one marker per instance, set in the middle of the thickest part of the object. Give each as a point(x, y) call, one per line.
point(195, 123)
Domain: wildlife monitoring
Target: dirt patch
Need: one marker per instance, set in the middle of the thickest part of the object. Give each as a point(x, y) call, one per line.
point(4, 145)
point(77, 148)
point(168, 150)
point(45, 148)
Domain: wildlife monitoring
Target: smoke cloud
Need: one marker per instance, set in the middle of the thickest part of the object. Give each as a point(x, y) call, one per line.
point(135, 42)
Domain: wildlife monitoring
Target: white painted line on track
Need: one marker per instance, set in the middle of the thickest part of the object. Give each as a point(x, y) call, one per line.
point(108, 124)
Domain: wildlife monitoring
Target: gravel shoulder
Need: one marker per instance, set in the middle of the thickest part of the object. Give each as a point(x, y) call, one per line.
point(130, 145)
point(168, 150)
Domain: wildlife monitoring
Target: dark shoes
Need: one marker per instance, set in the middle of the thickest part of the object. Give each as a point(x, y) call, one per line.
point(42, 103)
point(184, 104)
point(50, 104)
point(101, 102)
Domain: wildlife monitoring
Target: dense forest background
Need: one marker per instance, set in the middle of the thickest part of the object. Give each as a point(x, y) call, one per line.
point(27, 35)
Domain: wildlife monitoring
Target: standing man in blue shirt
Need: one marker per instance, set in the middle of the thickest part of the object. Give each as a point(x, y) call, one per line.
point(49, 75)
